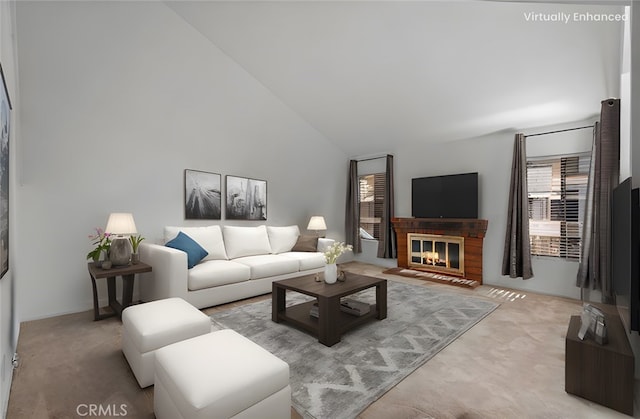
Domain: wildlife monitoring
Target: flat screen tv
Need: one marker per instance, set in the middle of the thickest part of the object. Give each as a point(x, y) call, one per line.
point(449, 196)
point(625, 260)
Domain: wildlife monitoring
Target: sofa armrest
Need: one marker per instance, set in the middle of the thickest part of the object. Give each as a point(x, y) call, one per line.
point(169, 275)
point(324, 244)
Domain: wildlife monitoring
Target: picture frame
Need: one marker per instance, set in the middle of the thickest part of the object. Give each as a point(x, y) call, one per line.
point(5, 125)
point(246, 198)
point(202, 195)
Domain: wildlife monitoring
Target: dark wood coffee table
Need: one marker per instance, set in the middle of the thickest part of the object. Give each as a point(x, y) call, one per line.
point(331, 322)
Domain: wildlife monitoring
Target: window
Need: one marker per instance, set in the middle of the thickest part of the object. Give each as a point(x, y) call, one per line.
point(371, 204)
point(557, 188)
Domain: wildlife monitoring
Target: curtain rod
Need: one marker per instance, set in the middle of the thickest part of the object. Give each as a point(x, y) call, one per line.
point(560, 130)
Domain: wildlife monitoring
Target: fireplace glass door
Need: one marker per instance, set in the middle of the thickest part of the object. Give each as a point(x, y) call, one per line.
point(437, 253)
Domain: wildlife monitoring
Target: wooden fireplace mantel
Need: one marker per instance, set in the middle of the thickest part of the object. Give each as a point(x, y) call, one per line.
point(473, 231)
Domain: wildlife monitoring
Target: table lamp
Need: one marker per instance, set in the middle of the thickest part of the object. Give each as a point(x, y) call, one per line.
point(120, 225)
point(316, 223)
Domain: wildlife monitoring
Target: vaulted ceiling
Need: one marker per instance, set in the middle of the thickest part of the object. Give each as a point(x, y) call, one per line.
point(374, 76)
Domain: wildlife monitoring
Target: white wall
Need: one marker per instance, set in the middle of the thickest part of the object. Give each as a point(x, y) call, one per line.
point(8, 322)
point(626, 157)
point(118, 99)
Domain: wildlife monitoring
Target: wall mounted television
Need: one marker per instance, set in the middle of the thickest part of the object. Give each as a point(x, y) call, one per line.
point(625, 256)
point(448, 196)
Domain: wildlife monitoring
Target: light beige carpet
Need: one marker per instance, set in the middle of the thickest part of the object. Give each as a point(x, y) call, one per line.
point(509, 365)
point(340, 381)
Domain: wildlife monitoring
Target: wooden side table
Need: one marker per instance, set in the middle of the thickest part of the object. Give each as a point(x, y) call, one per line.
point(601, 373)
point(128, 274)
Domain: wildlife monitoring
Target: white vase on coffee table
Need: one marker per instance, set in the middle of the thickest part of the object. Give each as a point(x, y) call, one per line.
point(330, 273)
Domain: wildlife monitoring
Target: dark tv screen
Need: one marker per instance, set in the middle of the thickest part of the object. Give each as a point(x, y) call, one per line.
point(449, 196)
point(625, 238)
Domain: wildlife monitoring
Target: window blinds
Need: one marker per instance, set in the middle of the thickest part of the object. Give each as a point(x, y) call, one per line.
point(371, 202)
point(557, 189)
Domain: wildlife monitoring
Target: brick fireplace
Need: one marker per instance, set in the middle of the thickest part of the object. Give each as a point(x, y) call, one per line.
point(441, 245)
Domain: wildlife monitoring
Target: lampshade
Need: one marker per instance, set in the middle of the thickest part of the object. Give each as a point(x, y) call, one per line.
point(317, 223)
point(121, 223)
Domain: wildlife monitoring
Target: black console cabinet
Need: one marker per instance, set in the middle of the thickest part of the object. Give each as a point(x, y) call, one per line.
point(601, 373)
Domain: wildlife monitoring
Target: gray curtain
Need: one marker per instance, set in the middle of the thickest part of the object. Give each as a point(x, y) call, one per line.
point(387, 241)
point(595, 265)
point(352, 215)
point(516, 260)
point(589, 262)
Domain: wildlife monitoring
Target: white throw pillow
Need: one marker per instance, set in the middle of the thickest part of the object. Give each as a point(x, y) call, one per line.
point(246, 241)
point(210, 238)
point(282, 239)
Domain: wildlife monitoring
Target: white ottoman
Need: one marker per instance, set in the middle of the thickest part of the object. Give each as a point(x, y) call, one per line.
point(220, 375)
point(149, 326)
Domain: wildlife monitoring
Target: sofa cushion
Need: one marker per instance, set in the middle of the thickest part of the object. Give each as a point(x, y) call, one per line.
point(246, 241)
point(263, 266)
point(282, 239)
point(306, 244)
point(195, 252)
point(213, 273)
point(209, 237)
point(307, 260)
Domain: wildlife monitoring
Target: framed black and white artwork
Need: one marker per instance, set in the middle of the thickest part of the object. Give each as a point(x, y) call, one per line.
point(202, 194)
point(5, 119)
point(246, 198)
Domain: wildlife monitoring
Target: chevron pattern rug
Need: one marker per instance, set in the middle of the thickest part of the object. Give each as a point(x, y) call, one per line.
point(341, 381)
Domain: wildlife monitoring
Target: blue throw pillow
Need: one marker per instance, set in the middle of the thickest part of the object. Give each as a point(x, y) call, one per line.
point(195, 252)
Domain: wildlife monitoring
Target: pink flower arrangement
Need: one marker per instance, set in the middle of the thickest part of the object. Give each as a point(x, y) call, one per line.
point(102, 241)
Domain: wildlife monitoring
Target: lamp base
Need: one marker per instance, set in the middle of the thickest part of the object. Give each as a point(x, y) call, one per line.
point(120, 251)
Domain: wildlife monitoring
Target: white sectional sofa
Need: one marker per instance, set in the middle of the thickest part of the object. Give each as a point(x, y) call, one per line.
point(240, 262)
